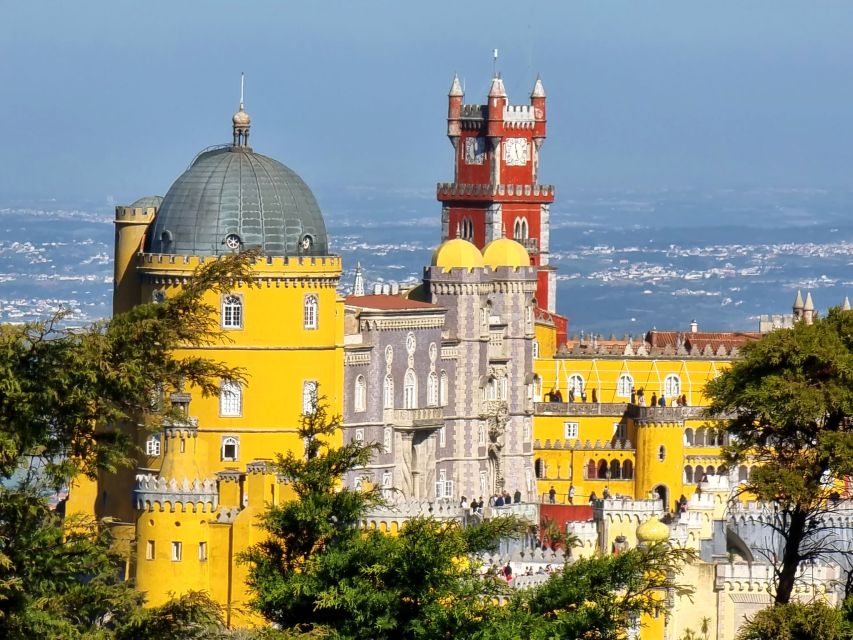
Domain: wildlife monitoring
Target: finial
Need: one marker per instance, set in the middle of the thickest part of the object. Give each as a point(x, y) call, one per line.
point(241, 120)
point(495, 63)
point(455, 87)
point(358, 285)
point(845, 306)
point(538, 89)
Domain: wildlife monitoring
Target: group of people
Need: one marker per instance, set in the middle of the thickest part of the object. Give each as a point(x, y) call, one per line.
point(638, 397)
point(497, 500)
point(555, 395)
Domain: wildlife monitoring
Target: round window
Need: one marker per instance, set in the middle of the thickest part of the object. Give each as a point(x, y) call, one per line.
point(232, 241)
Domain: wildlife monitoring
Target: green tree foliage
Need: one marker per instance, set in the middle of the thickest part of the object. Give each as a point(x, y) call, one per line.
point(62, 393)
point(319, 573)
point(797, 621)
point(791, 396)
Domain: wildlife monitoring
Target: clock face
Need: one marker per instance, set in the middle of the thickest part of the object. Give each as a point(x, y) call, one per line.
point(516, 152)
point(475, 150)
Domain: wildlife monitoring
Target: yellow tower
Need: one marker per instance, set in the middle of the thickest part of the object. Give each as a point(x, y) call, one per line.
point(660, 455)
point(191, 508)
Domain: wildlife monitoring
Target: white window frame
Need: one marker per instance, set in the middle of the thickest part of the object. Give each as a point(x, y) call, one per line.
point(503, 388)
point(230, 399)
point(661, 453)
point(537, 388)
point(360, 393)
point(309, 396)
point(535, 348)
point(232, 311)
point(177, 551)
point(432, 389)
point(229, 441)
point(481, 434)
point(410, 390)
point(150, 548)
point(310, 311)
point(387, 440)
point(443, 389)
point(442, 436)
point(528, 430)
point(672, 386)
point(152, 445)
point(388, 392)
point(528, 477)
point(202, 551)
point(359, 435)
point(576, 382)
point(571, 430)
point(484, 483)
point(386, 483)
point(624, 385)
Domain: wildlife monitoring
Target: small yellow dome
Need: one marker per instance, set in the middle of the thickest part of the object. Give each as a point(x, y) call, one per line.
point(504, 252)
point(652, 530)
point(457, 253)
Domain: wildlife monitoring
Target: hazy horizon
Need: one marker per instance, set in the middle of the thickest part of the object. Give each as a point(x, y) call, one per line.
point(111, 101)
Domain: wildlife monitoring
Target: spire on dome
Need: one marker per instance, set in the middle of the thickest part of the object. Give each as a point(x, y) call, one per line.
point(538, 89)
point(497, 89)
point(358, 285)
point(456, 87)
point(241, 122)
point(845, 306)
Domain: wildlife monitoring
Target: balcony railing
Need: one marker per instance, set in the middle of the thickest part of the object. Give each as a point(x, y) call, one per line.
point(531, 244)
point(651, 414)
point(426, 417)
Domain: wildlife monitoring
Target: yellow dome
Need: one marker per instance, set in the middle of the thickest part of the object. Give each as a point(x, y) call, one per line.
point(652, 530)
point(457, 253)
point(504, 252)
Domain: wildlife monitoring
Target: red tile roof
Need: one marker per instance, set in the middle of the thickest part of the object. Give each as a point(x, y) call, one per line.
point(387, 303)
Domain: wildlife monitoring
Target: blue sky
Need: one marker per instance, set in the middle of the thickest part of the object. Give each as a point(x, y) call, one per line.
point(114, 98)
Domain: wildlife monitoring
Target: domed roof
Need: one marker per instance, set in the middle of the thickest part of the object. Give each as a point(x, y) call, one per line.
point(233, 198)
point(146, 202)
point(504, 252)
point(457, 253)
point(652, 530)
point(241, 118)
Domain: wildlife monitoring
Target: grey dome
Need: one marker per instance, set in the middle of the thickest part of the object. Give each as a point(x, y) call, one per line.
point(231, 191)
point(147, 202)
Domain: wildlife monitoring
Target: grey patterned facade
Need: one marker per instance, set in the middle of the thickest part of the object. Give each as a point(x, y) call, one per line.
point(467, 430)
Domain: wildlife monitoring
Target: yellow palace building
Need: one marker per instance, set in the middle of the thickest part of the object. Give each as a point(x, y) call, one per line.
point(625, 417)
point(191, 506)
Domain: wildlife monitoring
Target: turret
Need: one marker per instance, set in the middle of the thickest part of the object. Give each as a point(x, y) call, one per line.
point(808, 309)
point(537, 100)
point(358, 285)
point(798, 306)
point(845, 306)
point(454, 110)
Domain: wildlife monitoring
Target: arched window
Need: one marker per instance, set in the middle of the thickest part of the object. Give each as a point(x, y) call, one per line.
point(672, 386)
point(661, 453)
point(624, 386)
point(387, 436)
point(698, 473)
point(710, 471)
point(388, 392)
point(443, 388)
point(535, 348)
point(230, 449)
point(537, 388)
point(615, 470)
point(410, 390)
point(232, 312)
point(627, 470)
point(309, 396)
point(539, 467)
point(466, 229)
point(152, 445)
point(520, 229)
point(742, 473)
point(432, 389)
point(688, 474)
point(576, 384)
point(590, 470)
point(688, 437)
point(700, 436)
point(230, 399)
point(310, 312)
point(602, 469)
point(360, 398)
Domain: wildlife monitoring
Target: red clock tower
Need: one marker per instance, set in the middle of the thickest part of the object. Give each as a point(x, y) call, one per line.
point(495, 192)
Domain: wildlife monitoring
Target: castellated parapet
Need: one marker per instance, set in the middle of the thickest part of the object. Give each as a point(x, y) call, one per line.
point(153, 493)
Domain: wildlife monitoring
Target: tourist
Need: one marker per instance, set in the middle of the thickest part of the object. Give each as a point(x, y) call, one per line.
point(473, 505)
point(654, 401)
point(594, 397)
point(662, 401)
point(557, 396)
point(641, 397)
point(593, 498)
point(682, 504)
point(583, 396)
point(463, 502)
point(571, 494)
point(516, 497)
point(684, 400)
point(552, 495)
point(499, 501)
point(606, 494)
point(633, 395)
point(480, 505)
point(572, 395)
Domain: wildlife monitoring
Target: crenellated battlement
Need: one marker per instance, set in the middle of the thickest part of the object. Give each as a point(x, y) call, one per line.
point(138, 215)
point(152, 493)
point(607, 445)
